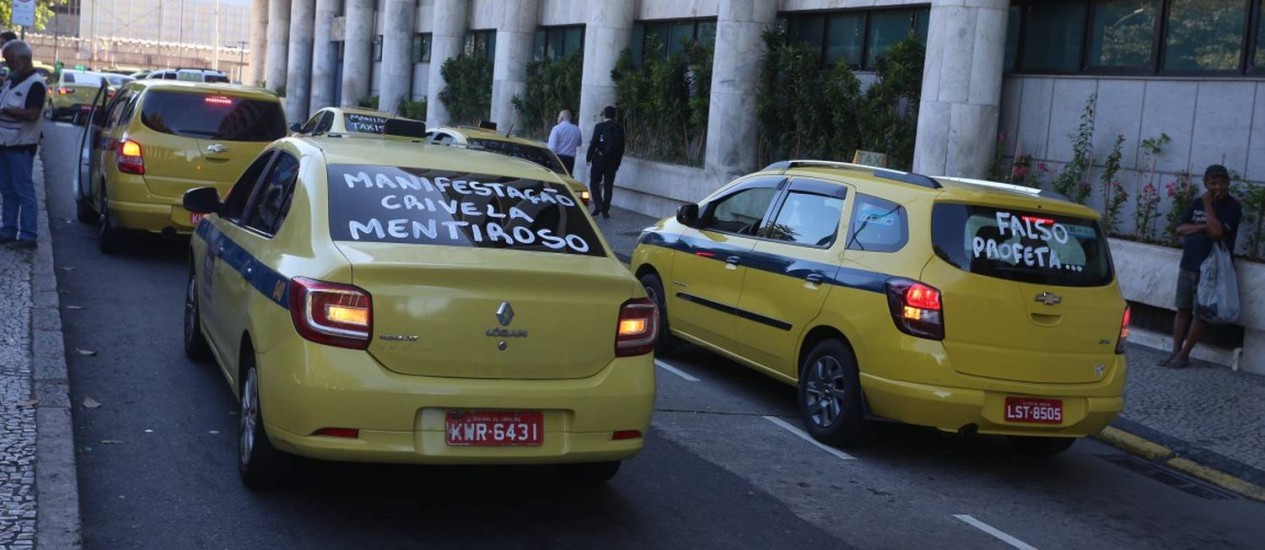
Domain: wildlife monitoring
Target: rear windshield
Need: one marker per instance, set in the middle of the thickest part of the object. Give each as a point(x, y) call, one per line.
point(538, 155)
point(417, 206)
point(118, 79)
point(88, 79)
point(213, 116)
point(1029, 247)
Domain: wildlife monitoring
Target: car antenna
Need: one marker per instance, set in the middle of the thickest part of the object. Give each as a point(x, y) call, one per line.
point(511, 129)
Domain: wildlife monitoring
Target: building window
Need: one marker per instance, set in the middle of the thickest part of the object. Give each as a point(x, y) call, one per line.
point(1182, 37)
point(557, 42)
point(856, 37)
point(377, 48)
point(672, 35)
point(421, 47)
point(481, 43)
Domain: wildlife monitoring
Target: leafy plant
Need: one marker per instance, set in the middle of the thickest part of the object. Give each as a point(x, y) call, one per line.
point(415, 110)
point(664, 102)
point(889, 120)
point(1147, 211)
point(1072, 182)
point(368, 102)
point(552, 85)
point(281, 90)
point(996, 169)
point(1146, 175)
point(1113, 194)
point(1181, 194)
point(1022, 171)
point(468, 94)
point(1252, 196)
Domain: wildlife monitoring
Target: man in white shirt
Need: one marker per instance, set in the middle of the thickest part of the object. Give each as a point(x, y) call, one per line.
point(564, 139)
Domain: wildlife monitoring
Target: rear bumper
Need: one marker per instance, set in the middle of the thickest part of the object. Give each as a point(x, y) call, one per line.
point(401, 419)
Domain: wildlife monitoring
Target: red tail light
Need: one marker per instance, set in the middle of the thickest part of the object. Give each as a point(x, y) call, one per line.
point(331, 314)
point(1124, 330)
point(130, 160)
point(916, 308)
point(347, 433)
point(65, 91)
point(625, 434)
point(637, 329)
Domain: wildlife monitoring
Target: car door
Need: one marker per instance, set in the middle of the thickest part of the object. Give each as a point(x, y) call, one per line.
point(790, 271)
point(708, 271)
point(220, 276)
point(90, 148)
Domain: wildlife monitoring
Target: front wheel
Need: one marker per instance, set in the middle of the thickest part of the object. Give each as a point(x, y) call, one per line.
point(830, 395)
point(195, 346)
point(1041, 446)
point(654, 290)
point(260, 465)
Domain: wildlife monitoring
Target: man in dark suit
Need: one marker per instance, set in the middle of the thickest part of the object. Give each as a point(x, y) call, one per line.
point(606, 151)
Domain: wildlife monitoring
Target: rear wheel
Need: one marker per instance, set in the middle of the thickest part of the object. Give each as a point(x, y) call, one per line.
point(590, 474)
point(84, 211)
point(654, 290)
point(109, 238)
point(830, 395)
point(1041, 446)
point(260, 465)
point(195, 346)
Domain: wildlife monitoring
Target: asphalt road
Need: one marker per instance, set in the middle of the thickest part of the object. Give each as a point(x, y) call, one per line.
point(723, 466)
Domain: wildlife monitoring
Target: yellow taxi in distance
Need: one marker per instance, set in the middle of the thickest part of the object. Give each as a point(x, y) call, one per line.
point(71, 92)
point(159, 138)
point(344, 120)
point(380, 300)
point(968, 306)
point(526, 149)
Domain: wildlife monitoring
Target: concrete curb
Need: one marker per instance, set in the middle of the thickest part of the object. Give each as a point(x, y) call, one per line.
point(56, 481)
point(1157, 452)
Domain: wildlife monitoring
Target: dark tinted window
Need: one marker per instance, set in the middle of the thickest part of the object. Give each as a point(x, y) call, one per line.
point(539, 155)
point(1204, 34)
point(740, 212)
point(213, 116)
point(806, 218)
point(1028, 247)
point(271, 196)
point(1050, 23)
point(240, 193)
point(420, 206)
point(878, 225)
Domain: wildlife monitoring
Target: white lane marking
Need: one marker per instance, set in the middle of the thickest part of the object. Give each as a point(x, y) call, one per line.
point(803, 435)
point(665, 366)
point(994, 532)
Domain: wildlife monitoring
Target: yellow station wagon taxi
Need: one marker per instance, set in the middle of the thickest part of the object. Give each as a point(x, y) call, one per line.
point(517, 147)
point(159, 138)
point(969, 306)
point(382, 300)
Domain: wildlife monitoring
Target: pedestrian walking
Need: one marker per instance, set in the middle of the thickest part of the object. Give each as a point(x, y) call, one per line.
point(21, 104)
point(564, 140)
point(1213, 217)
point(606, 151)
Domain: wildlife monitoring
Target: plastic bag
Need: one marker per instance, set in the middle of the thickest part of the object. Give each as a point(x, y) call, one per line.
point(1217, 298)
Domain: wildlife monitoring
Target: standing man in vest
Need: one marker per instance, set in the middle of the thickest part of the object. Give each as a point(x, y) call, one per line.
point(21, 104)
point(606, 151)
point(564, 140)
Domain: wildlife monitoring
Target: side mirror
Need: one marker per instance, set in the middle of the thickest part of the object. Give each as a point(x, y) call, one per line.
point(203, 200)
point(687, 214)
point(296, 128)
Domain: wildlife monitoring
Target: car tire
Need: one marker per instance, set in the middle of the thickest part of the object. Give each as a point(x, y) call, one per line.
point(109, 238)
point(590, 474)
point(1040, 446)
point(261, 466)
point(195, 345)
point(830, 398)
point(84, 212)
point(654, 290)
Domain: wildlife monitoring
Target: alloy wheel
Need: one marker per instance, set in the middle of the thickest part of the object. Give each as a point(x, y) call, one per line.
point(825, 391)
point(250, 415)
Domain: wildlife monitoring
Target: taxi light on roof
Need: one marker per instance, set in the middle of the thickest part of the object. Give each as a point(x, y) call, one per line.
point(219, 100)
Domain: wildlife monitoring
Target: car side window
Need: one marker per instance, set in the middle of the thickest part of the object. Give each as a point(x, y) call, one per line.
point(327, 122)
point(239, 194)
point(267, 208)
point(741, 211)
point(878, 225)
point(117, 107)
point(806, 218)
point(310, 126)
point(441, 138)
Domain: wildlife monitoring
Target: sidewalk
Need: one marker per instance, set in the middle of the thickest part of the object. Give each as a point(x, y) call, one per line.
point(1205, 420)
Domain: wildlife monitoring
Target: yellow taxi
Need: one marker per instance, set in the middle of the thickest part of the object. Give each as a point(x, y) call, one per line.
point(71, 93)
point(157, 139)
point(968, 306)
point(379, 300)
point(344, 120)
point(526, 149)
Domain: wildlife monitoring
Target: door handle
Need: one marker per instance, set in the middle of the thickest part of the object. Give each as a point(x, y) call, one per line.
point(216, 148)
point(733, 260)
point(814, 278)
point(219, 252)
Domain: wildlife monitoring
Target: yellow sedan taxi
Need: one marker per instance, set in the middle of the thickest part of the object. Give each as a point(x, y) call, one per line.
point(517, 147)
point(968, 306)
point(374, 299)
point(71, 93)
point(344, 120)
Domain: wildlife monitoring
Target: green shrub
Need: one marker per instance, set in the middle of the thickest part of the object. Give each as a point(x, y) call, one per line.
point(552, 85)
point(370, 102)
point(468, 94)
point(415, 110)
point(664, 102)
point(281, 90)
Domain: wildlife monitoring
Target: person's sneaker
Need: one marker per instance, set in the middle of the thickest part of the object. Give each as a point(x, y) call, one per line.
point(23, 244)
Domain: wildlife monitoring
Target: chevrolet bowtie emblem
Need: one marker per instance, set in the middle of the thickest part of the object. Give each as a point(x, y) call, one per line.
point(1049, 298)
point(505, 314)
